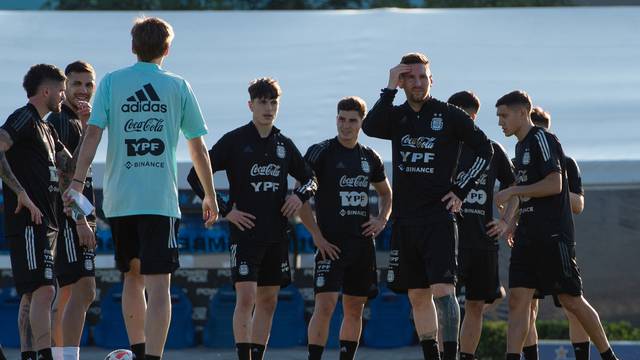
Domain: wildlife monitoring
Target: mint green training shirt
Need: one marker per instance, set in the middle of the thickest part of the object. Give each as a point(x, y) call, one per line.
point(144, 108)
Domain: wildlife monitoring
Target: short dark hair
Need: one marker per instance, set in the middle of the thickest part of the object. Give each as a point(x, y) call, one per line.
point(415, 58)
point(150, 37)
point(541, 118)
point(465, 100)
point(79, 67)
point(352, 103)
point(516, 97)
point(39, 74)
point(264, 88)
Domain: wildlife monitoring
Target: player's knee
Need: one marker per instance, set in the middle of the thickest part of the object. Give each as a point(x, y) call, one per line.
point(85, 294)
point(44, 295)
point(353, 309)
point(267, 303)
point(324, 307)
point(245, 301)
point(440, 290)
point(517, 301)
point(474, 308)
point(418, 300)
point(570, 303)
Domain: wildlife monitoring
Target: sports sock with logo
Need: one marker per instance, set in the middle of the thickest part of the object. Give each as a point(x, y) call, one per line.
point(530, 352)
point(581, 350)
point(315, 351)
point(57, 353)
point(608, 355)
point(45, 354)
point(430, 349)
point(244, 351)
point(467, 356)
point(257, 351)
point(70, 353)
point(28, 355)
point(138, 350)
point(348, 349)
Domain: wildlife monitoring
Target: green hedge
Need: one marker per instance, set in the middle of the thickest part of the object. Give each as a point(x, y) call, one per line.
point(493, 342)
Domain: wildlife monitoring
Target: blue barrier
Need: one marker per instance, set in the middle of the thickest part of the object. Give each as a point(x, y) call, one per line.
point(110, 331)
point(9, 307)
point(218, 332)
point(105, 239)
point(390, 323)
point(383, 240)
point(303, 239)
point(562, 350)
point(288, 328)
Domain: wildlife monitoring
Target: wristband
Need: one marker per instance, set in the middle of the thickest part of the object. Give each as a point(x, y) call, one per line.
point(78, 181)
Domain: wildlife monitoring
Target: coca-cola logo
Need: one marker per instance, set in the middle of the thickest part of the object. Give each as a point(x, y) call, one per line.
point(151, 125)
point(265, 170)
point(358, 181)
point(421, 142)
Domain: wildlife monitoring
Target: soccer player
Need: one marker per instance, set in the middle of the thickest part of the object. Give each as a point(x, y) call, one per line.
point(577, 334)
point(479, 232)
point(543, 255)
point(29, 154)
point(74, 264)
point(145, 108)
point(425, 134)
point(342, 230)
point(257, 158)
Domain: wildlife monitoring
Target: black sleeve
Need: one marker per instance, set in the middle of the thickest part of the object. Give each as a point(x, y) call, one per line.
point(478, 142)
point(505, 172)
point(546, 151)
point(301, 171)
point(377, 167)
point(19, 128)
point(574, 176)
point(314, 156)
point(218, 156)
point(379, 121)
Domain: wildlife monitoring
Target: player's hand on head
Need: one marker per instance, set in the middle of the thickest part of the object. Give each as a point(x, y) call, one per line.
point(395, 75)
point(325, 248)
point(241, 219)
point(291, 205)
point(86, 236)
point(452, 202)
point(25, 202)
point(373, 227)
point(210, 210)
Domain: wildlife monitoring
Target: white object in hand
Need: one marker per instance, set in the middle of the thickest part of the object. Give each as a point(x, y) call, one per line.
point(81, 206)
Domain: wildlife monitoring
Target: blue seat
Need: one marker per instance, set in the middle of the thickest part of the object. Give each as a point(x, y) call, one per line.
point(333, 341)
point(289, 327)
point(105, 238)
point(181, 331)
point(218, 331)
point(110, 331)
point(390, 325)
point(217, 237)
point(9, 307)
point(188, 235)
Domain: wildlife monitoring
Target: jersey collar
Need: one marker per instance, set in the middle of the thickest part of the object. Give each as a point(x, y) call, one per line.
point(147, 66)
point(254, 131)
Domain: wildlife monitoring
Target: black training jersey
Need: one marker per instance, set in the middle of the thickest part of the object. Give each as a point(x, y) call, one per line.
point(69, 129)
point(344, 176)
point(425, 147)
point(573, 176)
point(477, 208)
point(32, 160)
point(538, 155)
point(257, 169)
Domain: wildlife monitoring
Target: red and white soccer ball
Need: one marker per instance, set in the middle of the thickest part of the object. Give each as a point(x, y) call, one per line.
point(120, 354)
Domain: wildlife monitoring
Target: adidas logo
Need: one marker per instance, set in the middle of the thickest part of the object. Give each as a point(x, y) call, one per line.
point(248, 149)
point(144, 100)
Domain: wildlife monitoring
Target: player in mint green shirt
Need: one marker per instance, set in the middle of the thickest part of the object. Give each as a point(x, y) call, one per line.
point(144, 108)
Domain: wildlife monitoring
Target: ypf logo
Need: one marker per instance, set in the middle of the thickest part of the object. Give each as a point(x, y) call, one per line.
point(140, 147)
point(476, 196)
